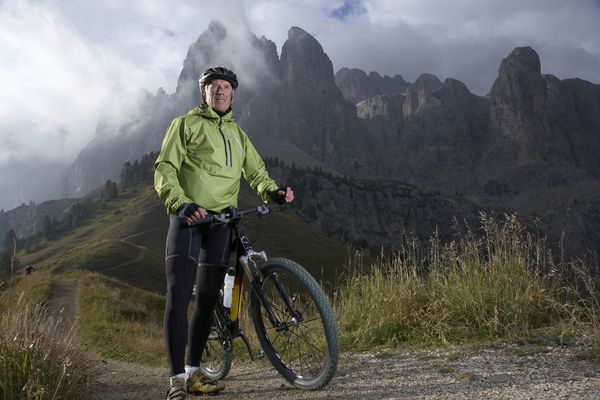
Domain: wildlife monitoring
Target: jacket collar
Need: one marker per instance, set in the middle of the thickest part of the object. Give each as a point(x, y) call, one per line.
point(207, 112)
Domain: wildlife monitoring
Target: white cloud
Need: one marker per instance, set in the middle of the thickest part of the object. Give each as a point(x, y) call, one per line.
point(62, 63)
point(54, 84)
point(467, 39)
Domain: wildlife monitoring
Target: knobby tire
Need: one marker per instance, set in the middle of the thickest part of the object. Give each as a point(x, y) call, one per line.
point(305, 353)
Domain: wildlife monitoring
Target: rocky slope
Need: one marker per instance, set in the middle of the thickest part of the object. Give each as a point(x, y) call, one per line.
point(28, 219)
point(531, 146)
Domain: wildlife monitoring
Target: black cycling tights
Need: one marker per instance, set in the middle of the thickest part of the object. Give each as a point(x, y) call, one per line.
point(186, 248)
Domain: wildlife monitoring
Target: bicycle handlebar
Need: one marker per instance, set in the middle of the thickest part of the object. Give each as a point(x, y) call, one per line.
point(233, 214)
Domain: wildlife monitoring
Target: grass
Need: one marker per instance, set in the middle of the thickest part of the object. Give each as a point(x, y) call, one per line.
point(37, 359)
point(31, 290)
point(586, 321)
point(105, 242)
point(500, 285)
point(120, 321)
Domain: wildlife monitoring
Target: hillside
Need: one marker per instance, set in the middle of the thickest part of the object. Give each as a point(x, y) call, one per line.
point(124, 239)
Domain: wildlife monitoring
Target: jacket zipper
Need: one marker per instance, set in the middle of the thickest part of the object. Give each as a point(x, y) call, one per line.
point(225, 143)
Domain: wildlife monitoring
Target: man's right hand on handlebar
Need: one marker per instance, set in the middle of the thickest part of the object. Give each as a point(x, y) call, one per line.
point(191, 212)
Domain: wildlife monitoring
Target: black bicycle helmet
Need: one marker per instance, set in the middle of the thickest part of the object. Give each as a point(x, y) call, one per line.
point(218, 73)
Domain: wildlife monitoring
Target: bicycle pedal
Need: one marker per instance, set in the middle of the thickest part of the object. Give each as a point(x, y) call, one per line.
point(260, 355)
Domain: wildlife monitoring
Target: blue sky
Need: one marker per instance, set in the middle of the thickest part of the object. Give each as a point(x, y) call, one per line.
point(62, 63)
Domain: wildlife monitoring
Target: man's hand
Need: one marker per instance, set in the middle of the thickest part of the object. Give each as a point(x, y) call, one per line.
point(282, 195)
point(191, 212)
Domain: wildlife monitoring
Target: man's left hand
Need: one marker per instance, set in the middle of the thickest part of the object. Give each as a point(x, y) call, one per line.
point(283, 195)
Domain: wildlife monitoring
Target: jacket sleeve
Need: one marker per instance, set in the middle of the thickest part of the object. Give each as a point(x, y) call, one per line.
point(255, 172)
point(167, 165)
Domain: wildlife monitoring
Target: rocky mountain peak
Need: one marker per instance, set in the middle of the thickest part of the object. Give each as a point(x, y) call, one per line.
point(454, 91)
point(520, 87)
point(217, 30)
point(428, 82)
point(304, 61)
point(522, 60)
point(420, 97)
point(251, 58)
point(203, 50)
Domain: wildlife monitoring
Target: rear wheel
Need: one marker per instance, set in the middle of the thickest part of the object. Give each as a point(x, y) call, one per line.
point(299, 336)
point(217, 357)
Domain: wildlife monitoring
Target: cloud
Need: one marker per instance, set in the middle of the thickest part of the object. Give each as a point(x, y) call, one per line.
point(54, 84)
point(64, 63)
point(462, 39)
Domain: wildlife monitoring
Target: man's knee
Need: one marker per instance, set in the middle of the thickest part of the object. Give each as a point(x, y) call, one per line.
point(210, 281)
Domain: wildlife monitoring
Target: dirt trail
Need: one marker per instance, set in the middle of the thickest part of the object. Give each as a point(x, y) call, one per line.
point(64, 301)
point(510, 372)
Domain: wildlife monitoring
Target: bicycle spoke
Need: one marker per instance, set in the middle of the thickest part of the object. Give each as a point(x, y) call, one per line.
point(304, 339)
point(297, 346)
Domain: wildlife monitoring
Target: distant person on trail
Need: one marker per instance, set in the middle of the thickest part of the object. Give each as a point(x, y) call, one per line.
point(198, 170)
point(29, 269)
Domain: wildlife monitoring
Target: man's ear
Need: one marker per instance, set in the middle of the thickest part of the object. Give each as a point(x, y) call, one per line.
point(232, 96)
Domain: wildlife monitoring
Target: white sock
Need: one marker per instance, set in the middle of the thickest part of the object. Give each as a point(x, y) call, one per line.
point(180, 376)
point(189, 370)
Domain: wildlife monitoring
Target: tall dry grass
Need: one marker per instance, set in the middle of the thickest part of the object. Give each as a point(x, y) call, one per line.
point(500, 282)
point(586, 323)
point(38, 360)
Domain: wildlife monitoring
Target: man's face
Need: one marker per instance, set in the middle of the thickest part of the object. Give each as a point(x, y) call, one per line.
point(219, 95)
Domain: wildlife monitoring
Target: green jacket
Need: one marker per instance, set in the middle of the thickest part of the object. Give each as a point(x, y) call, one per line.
point(202, 159)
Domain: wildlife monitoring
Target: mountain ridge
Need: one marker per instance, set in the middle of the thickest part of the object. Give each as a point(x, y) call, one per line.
point(531, 146)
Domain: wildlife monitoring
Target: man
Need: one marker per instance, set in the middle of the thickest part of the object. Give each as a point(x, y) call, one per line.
point(198, 170)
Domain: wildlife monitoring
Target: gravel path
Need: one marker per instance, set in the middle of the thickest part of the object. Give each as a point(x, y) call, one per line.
point(487, 374)
point(509, 372)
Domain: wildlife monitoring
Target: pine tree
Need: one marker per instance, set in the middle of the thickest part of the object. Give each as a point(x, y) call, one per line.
point(110, 191)
point(47, 227)
point(127, 175)
point(7, 253)
point(8, 239)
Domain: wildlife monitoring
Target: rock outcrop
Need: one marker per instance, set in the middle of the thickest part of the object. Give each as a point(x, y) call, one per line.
point(357, 86)
point(307, 110)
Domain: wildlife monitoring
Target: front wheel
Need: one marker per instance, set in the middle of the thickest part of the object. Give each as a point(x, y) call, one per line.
point(295, 324)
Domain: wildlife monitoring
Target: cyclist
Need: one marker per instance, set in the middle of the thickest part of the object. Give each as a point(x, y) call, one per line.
point(198, 170)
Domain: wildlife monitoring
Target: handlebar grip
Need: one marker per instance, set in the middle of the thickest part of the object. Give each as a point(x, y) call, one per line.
point(204, 220)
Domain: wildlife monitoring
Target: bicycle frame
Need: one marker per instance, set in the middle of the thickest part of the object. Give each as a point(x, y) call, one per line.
point(247, 262)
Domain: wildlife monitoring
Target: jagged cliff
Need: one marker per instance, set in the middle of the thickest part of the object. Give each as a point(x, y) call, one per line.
point(532, 145)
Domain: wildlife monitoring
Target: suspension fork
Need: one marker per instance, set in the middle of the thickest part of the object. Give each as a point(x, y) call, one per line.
point(278, 325)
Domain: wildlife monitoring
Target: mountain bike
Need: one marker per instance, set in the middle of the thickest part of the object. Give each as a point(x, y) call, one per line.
point(291, 314)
